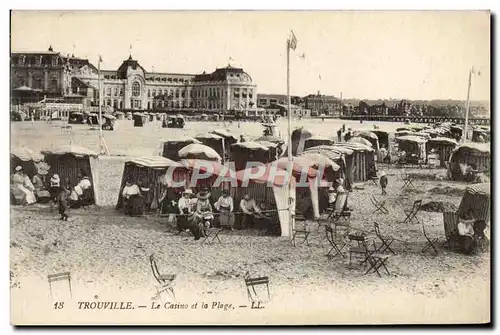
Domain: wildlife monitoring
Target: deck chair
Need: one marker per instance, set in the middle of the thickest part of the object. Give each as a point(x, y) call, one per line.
point(58, 277)
point(384, 239)
point(336, 213)
point(375, 259)
point(411, 215)
point(165, 280)
point(304, 233)
point(431, 241)
point(251, 283)
point(407, 180)
point(212, 234)
point(334, 244)
point(450, 220)
point(379, 205)
point(360, 247)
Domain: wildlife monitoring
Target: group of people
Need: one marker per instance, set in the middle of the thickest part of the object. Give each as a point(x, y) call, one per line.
point(25, 191)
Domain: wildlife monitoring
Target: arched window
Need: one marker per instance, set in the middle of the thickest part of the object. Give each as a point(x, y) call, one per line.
point(136, 89)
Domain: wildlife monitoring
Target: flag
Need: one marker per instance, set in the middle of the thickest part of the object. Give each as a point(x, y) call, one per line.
point(100, 59)
point(231, 58)
point(478, 72)
point(292, 42)
point(319, 77)
point(303, 56)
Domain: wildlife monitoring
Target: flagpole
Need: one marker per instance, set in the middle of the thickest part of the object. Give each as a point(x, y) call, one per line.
point(100, 111)
point(464, 137)
point(290, 160)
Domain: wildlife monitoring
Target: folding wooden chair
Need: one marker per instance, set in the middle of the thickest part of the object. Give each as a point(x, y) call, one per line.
point(360, 248)
point(375, 260)
point(251, 283)
point(385, 240)
point(165, 280)
point(212, 234)
point(333, 243)
point(379, 205)
point(407, 180)
point(336, 213)
point(58, 277)
point(430, 241)
point(412, 214)
point(304, 233)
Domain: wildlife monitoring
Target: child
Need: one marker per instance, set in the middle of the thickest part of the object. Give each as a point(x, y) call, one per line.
point(63, 201)
point(383, 182)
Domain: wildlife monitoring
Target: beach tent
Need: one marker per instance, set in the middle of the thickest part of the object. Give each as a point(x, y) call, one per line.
point(363, 163)
point(383, 138)
point(139, 119)
point(371, 137)
point(156, 173)
point(269, 186)
point(26, 158)
point(477, 198)
point(314, 141)
point(343, 157)
point(299, 137)
point(359, 139)
point(199, 151)
point(172, 146)
point(213, 141)
point(69, 161)
point(229, 139)
point(412, 145)
point(243, 152)
point(477, 155)
point(76, 118)
point(443, 146)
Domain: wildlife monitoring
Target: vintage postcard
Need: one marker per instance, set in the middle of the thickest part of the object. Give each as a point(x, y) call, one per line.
point(250, 167)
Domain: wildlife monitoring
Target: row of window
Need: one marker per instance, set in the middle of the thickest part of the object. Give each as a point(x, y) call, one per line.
point(170, 80)
point(36, 61)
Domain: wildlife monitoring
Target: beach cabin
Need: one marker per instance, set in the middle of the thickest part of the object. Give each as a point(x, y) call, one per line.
point(475, 155)
point(229, 139)
point(343, 157)
point(26, 158)
point(364, 166)
point(383, 138)
point(172, 146)
point(371, 137)
point(76, 118)
point(443, 147)
point(139, 119)
point(199, 151)
point(414, 148)
point(315, 141)
point(150, 173)
point(214, 141)
point(299, 137)
point(243, 152)
point(70, 161)
point(476, 198)
point(269, 188)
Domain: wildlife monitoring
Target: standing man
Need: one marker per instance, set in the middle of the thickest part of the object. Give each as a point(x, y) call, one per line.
point(383, 182)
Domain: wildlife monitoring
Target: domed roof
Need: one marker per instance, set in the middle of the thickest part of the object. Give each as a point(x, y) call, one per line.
point(122, 70)
point(229, 73)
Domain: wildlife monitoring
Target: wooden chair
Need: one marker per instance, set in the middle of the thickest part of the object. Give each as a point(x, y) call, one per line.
point(304, 233)
point(251, 283)
point(407, 180)
point(336, 213)
point(58, 277)
point(361, 242)
point(384, 239)
point(412, 214)
point(212, 234)
point(375, 259)
point(379, 205)
point(431, 241)
point(165, 280)
point(333, 243)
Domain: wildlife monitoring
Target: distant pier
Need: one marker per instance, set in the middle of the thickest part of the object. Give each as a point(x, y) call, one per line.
point(414, 119)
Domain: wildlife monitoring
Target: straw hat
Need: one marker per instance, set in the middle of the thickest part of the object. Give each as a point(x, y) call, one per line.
point(188, 191)
point(382, 173)
point(19, 168)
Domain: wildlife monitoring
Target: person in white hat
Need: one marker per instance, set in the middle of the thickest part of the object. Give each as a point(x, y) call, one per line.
point(22, 188)
point(383, 182)
point(55, 184)
point(185, 202)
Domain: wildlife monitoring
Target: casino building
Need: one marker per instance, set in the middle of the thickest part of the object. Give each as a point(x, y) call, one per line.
point(35, 75)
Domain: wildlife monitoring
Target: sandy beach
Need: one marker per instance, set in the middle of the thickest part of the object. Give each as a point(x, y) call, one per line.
point(107, 253)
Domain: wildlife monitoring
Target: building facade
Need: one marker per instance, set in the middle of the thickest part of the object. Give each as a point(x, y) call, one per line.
point(131, 86)
point(323, 104)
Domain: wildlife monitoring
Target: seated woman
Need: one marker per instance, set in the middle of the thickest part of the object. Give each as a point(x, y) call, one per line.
point(22, 188)
point(132, 197)
point(80, 195)
point(41, 192)
point(203, 211)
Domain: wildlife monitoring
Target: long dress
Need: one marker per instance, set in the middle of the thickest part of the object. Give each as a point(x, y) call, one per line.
point(225, 207)
point(22, 189)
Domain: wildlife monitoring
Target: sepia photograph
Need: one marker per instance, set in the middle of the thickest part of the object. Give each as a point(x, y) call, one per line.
point(220, 167)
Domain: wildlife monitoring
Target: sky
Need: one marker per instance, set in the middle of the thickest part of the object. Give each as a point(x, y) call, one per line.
point(367, 55)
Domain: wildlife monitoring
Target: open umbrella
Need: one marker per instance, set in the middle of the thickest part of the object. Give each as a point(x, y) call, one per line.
point(199, 151)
